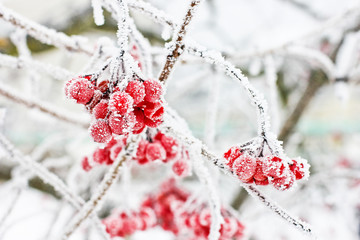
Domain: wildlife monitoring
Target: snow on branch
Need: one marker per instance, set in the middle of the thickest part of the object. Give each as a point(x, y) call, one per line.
point(109, 180)
point(62, 115)
point(177, 44)
point(157, 15)
point(44, 34)
point(21, 62)
point(49, 178)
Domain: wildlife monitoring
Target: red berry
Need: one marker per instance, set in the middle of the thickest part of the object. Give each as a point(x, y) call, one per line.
point(136, 90)
point(115, 150)
point(298, 168)
point(232, 154)
point(150, 123)
point(85, 164)
point(155, 151)
point(273, 166)
point(81, 90)
point(139, 121)
point(170, 145)
point(180, 168)
point(101, 109)
point(154, 111)
point(121, 124)
point(121, 103)
point(95, 100)
point(259, 174)
point(100, 131)
point(102, 156)
point(284, 182)
point(153, 90)
point(141, 152)
point(103, 86)
point(262, 183)
point(244, 167)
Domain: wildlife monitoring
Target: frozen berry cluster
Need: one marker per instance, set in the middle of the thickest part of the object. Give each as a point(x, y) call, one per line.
point(265, 170)
point(126, 223)
point(158, 148)
point(167, 207)
point(118, 111)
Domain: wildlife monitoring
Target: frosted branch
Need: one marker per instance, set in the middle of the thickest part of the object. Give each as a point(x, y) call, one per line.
point(177, 42)
point(53, 71)
point(43, 107)
point(43, 34)
point(49, 178)
point(109, 180)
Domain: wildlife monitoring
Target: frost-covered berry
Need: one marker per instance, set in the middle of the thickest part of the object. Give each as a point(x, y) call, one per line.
point(139, 121)
point(121, 103)
point(141, 152)
point(284, 182)
point(94, 101)
point(115, 150)
point(154, 111)
point(121, 124)
point(150, 123)
point(273, 166)
point(244, 167)
point(155, 151)
point(170, 145)
point(153, 90)
point(259, 175)
point(81, 90)
point(232, 154)
point(103, 86)
point(101, 109)
point(85, 164)
point(300, 168)
point(102, 156)
point(136, 90)
point(180, 167)
point(100, 131)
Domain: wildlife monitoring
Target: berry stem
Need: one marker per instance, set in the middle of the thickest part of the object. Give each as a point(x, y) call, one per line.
point(178, 42)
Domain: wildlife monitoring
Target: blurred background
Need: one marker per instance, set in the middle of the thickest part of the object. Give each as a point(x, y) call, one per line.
point(279, 44)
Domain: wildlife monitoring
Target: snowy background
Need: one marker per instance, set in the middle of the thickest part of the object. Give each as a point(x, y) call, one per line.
point(246, 32)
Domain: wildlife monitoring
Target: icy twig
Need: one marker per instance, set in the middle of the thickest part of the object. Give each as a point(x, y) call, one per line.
point(157, 15)
point(43, 107)
point(254, 192)
point(49, 178)
point(214, 201)
point(171, 127)
point(42, 33)
point(109, 180)
point(53, 71)
point(257, 98)
point(177, 43)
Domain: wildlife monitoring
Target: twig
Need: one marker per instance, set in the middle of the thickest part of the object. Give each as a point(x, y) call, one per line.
point(43, 107)
point(43, 34)
point(109, 180)
point(177, 43)
point(20, 62)
point(50, 178)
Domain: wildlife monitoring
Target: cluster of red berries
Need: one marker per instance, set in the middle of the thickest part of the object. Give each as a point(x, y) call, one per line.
point(126, 223)
point(159, 148)
point(167, 207)
point(265, 170)
point(115, 110)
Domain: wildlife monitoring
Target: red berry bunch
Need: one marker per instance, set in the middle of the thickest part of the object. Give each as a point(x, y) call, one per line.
point(265, 170)
point(159, 148)
point(118, 111)
point(168, 205)
point(126, 223)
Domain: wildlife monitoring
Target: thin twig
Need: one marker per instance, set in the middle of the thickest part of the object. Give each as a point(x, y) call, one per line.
point(42, 33)
point(43, 107)
point(109, 180)
point(177, 43)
